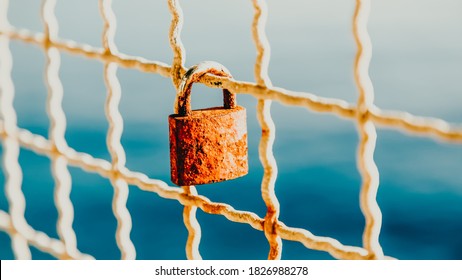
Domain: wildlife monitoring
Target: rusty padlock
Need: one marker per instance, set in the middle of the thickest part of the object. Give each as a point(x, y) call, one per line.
point(207, 145)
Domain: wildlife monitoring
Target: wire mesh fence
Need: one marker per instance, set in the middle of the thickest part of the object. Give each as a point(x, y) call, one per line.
point(364, 113)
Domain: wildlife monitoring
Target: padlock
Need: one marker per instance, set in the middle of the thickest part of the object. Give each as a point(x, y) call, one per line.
point(207, 145)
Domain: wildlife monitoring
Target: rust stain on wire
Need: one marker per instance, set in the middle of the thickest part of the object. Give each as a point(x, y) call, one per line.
point(268, 134)
point(114, 135)
point(176, 72)
point(368, 135)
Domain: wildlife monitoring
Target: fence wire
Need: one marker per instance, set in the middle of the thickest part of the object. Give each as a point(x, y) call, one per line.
point(364, 113)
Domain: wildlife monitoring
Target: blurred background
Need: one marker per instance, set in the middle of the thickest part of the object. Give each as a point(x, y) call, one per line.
point(416, 67)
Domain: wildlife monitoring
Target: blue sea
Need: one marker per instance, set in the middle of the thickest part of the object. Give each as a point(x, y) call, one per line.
point(416, 67)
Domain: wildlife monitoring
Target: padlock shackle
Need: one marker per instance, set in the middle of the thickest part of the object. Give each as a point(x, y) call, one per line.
point(183, 98)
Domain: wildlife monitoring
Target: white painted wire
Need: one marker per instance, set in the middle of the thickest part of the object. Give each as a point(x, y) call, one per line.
point(270, 170)
point(368, 135)
point(177, 72)
point(10, 159)
point(57, 130)
point(404, 121)
point(86, 162)
point(114, 135)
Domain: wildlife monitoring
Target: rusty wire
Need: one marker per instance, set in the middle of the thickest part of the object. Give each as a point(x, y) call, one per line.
point(364, 113)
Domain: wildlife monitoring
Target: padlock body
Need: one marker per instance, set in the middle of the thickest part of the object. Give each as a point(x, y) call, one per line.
point(208, 146)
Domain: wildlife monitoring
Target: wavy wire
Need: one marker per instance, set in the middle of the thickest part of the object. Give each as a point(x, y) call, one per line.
point(364, 112)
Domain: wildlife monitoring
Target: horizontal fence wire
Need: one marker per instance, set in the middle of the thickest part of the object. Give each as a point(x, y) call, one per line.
point(364, 113)
point(405, 121)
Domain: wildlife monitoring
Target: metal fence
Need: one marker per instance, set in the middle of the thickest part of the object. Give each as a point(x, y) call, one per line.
point(364, 113)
